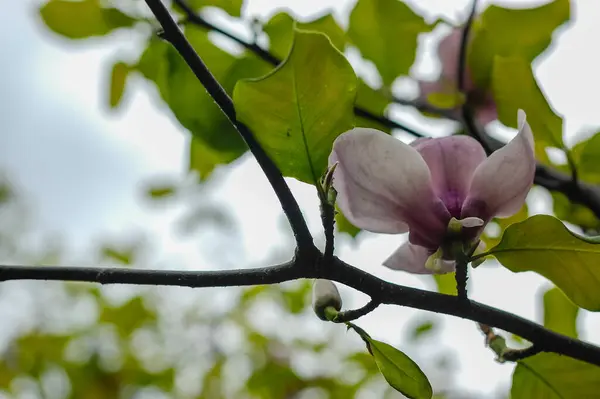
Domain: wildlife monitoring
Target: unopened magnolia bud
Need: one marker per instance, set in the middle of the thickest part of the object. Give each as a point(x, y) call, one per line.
point(325, 295)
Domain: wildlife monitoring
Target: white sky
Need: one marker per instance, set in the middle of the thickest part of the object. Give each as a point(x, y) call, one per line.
point(84, 165)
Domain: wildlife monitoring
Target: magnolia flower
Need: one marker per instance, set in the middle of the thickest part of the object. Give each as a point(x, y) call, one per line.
point(481, 100)
point(386, 186)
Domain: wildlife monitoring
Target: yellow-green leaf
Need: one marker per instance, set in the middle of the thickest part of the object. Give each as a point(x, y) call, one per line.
point(560, 314)
point(524, 32)
point(514, 86)
point(298, 110)
point(118, 77)
point(399, 370)
point(82, 19)
point(544, 245)
point(386, 32)
point(552, 376)
point(446, 283)
point(280, 29)
point(231, 7)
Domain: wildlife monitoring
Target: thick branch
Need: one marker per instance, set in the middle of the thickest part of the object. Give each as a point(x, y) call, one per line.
point(379, 290)
point(173, 34)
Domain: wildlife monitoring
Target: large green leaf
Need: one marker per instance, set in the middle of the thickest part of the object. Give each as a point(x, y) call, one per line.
point(560, 314)
point(552, 376)
point(544, 245)
point(513, 32)
point(82, 19)
point(297, 111)
point(231, 7)
point(280, 30)
point(514, 87)
point(399, 370)
point(386, 32)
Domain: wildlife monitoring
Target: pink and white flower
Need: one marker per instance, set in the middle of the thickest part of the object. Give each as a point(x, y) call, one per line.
point(387, 186)
point(480, 99)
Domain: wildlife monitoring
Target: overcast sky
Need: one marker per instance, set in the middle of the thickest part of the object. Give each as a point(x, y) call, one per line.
point(84, 165)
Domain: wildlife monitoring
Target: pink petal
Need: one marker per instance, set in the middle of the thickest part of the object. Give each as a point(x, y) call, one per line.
point(448, 52)
point(384, 185)
point(411, 258)
point(486, 112)
point(501, 183)
point(452, 162)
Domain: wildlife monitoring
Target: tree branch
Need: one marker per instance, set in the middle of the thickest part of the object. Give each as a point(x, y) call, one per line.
point(379, 290)
point(290, 206)
point(349, 315)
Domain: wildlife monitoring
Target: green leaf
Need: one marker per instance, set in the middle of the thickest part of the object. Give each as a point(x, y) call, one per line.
point(552, 376)
point(82, 19)
point(161, 191)
point(502, 224)
point(280, 29)
point(525, 33)
point(231, 7)
point(124, 256)
point(386, 32)
point(343, 225)
point(399, 370)
point(577, 214)
point(544, 245)
point(203, 159)
point(421, 330)
point(514, 87)
point(298, 110)
point(587, 160)
point(560, 314)
point(446, 283)
point(373, 101)
point(118, 77)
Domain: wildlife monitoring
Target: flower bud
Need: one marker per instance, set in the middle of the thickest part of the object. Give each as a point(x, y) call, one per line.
point(325, 295)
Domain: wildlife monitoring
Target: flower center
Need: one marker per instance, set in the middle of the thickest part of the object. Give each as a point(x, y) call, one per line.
point(453, 201)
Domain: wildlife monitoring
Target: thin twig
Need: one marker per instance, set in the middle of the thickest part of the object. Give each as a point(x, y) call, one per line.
point(505, 354)
point(349, 315)
point(467, 115)
point(290, 206)
point(379, 290)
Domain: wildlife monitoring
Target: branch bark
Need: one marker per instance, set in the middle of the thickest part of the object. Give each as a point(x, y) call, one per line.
point(379, 290)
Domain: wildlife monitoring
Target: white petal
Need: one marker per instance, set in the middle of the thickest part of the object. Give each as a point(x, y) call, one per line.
point(382, 183)
point(411, 258)
point(501, 183)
